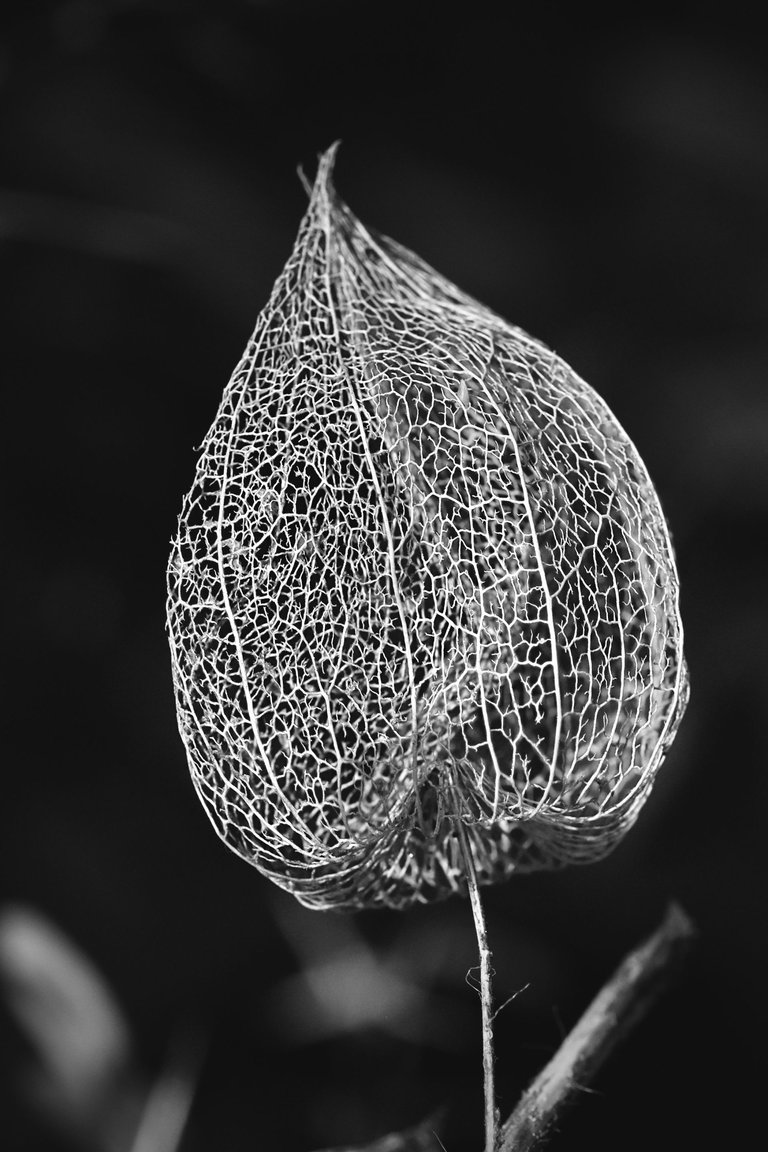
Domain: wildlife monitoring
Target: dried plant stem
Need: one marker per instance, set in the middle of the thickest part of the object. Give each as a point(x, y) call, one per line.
point(486, 994)
point(626, 997)
point(624, 1000)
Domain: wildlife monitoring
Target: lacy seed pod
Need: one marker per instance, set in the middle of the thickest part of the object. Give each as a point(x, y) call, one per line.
point(421, 577)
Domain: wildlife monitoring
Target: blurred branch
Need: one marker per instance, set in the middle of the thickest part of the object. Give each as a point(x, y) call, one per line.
point(216, 264)
point(81, 1075)
point(421, 1138)
point(105, 230)
point(169, 1102)
point(623, 1001)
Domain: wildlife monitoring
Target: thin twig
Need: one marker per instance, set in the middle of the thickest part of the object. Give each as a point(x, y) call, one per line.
point(486, 994)
point(637, 982)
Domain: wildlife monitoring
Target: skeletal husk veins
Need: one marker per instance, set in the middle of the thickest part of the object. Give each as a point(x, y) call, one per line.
point(421, 577)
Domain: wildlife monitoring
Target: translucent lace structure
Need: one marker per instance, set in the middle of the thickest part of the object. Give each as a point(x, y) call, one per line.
point(421, 577)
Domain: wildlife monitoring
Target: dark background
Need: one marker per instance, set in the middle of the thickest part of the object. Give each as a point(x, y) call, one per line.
point(601, 184)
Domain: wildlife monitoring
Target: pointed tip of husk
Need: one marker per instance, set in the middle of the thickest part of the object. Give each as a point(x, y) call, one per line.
point(323, 193)
point(326, 161)
point(323, 176)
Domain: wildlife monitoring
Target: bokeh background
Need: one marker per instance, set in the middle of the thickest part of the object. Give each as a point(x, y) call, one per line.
point(602, 184)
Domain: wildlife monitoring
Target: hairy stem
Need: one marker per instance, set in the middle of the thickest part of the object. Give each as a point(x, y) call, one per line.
point(486, 995)
point(626, 997)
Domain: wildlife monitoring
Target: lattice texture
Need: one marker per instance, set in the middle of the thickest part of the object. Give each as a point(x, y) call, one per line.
point(422, 576)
